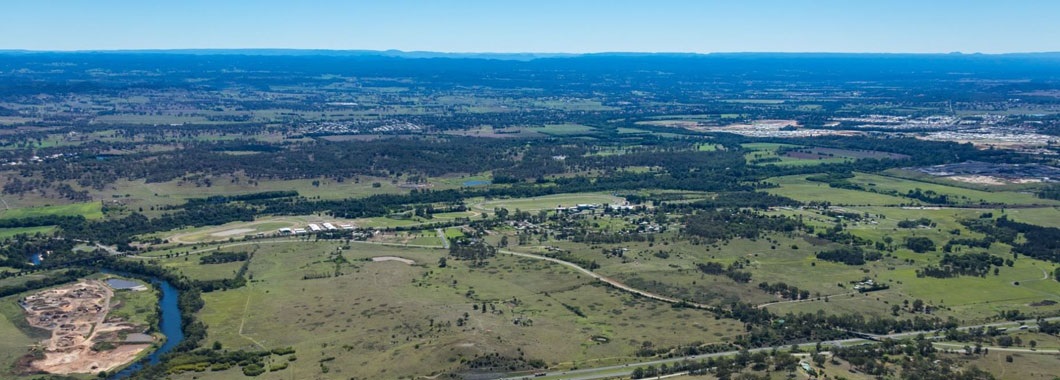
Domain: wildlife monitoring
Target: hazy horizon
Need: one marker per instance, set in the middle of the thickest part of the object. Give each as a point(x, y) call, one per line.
point(281, 51)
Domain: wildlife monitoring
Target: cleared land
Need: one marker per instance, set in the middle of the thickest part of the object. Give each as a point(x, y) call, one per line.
point(547, 202)
point(392, 319)
point(84, 339)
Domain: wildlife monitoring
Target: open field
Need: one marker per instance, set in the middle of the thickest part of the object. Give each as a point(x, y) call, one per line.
point(18, 335)
point(1024, 366)
point(958, 194)
point(798, 188)
point(90, 210)
point(562, 129)
point(237, 230)
point(9, 232)
point(139, 194)
point(547, 202)
point(405, 317)
point(1042, 216)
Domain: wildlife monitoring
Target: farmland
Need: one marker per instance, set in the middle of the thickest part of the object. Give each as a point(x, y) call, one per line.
point(339, 217)
point(404, 311)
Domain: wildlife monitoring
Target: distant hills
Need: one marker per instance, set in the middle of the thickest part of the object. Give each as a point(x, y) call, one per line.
point(526, 56)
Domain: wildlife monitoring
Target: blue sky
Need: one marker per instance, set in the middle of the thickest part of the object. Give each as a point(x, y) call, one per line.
point(537, 26)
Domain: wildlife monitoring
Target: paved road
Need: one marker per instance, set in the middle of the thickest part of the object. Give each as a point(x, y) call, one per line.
point(626, 369)
point(960, 346)
point(811, 299)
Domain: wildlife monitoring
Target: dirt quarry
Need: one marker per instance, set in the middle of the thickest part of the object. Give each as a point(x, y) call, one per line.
point(82, 340)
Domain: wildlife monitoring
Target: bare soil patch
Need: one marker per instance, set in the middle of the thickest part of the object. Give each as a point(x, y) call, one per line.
point(978, 179)
point(82, 339)
point(393, 258)
point(231, 232)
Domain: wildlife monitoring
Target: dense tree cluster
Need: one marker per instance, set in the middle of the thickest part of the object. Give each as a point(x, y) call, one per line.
point(914, 223)
point(731, 271)
point(1042, 243)
point(919, 244)
point(717, 225)
point(62, 277)
point(849, 255)
point(969, 264)
point(473, 250)
point(784, 290)
point(223, 257)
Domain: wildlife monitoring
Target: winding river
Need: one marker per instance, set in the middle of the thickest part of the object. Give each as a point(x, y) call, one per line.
point(169, 325)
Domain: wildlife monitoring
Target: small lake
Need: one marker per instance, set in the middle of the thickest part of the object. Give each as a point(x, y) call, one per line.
point(36, 258)
point(121, 284)
point(477, 182)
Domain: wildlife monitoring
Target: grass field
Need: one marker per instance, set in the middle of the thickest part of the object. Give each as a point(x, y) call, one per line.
point(390, 319)
point(138, 307)
point(139, 194)
point(798, 188)
point(547, 202)
point(1043, 216)
point(563, 129)
point(17, 335)
point(237, 230)
point(90, 210)
point(9, 232)
point(958, 194)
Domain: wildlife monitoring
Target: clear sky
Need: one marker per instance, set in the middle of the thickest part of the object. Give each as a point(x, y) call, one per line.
point(573, 26)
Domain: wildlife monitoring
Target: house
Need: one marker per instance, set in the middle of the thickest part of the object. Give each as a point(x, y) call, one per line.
point(315, 228)
point(286, 231)
point(330, 226)
point(299, 231)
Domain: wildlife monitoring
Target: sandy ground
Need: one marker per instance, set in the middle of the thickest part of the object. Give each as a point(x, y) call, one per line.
point(76, 315)
point(393, 258)
point(978, 179)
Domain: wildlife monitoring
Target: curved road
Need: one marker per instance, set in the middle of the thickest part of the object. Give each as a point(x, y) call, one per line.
point(614, 283)
point(592, 274)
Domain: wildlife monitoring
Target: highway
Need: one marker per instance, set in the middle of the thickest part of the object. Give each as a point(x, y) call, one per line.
point(624, 370)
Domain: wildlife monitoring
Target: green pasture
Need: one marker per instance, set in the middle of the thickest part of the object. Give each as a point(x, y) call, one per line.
point(391, 319)
point(90, 210)
point(798, 188)
point(959, 194)
point(546, 202)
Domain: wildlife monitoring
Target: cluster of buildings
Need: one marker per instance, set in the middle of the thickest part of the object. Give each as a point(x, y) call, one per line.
point(359, 126)
point(1008, 172)
point(33, 159)
point(315, 228)
point(588, 206)
point(901, 122)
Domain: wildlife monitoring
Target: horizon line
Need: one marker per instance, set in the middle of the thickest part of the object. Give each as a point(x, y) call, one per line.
point(521, 53)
